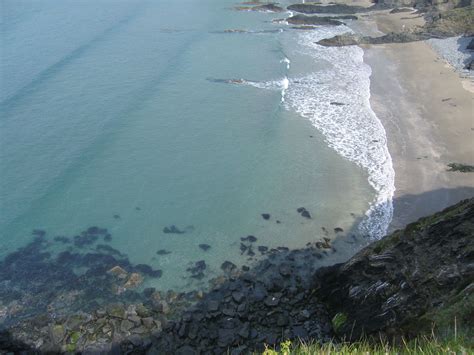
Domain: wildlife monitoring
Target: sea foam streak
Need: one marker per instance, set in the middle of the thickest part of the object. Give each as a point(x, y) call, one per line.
point(336, 101)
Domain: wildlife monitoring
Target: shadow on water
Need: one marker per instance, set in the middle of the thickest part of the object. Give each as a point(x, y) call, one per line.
point(244, 308)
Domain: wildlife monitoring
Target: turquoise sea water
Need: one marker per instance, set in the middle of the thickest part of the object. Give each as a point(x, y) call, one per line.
point(111, 117)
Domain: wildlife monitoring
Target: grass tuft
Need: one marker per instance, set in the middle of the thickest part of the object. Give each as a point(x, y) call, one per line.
point(430, 345)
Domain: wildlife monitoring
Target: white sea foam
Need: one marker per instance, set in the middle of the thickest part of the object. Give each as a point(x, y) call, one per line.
point(336, 101)
point(284, 86)
point(287, 61)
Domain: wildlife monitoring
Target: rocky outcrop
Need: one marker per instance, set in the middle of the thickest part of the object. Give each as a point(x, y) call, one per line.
point(312, 20)
point(392, 37)
point(268, 8)
point(332, 9)
point(453, 22)
point(408, 281)
point(262, 8)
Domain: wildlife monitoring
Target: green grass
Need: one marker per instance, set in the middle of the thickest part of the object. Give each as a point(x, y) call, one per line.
point(428, 345)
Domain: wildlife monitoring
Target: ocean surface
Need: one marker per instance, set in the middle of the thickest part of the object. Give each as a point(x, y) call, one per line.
point(145, 117)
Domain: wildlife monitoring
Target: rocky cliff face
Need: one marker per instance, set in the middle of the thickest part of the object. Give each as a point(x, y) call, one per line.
point(408, 281)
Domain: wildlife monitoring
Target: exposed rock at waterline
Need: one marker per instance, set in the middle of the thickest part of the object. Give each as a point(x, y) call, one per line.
point(312, 20)
point(331, 9)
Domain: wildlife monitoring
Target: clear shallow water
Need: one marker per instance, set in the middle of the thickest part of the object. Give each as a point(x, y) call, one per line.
point(107, 111)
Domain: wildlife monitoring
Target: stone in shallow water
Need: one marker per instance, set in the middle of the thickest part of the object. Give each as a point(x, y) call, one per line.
point(118, 272)
point(116, 216)
point(266, 216)
point(163, 252)
point(172, 230)
point(305, 214)
point(204, 247)
point(85, 239)
point(249, 238)
point(148, 292)
point(93, 230)
point(134, 280)
point(338, 230)
point(197, 271)
point(228, 266)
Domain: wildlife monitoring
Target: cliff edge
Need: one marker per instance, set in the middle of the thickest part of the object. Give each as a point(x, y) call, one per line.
point(408, 282)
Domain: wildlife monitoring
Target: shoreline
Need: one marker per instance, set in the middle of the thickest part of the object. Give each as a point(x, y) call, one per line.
point(427, 111)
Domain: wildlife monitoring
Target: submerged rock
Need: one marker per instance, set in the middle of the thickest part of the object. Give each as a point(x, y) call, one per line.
point(204, 247)
point(249, 238)
point(228, 266)
point(163, 252)
point(197, 271)
point(134, 280)
point(266, 216)
point(304, 212)
point(118, 272)
point(172, 230)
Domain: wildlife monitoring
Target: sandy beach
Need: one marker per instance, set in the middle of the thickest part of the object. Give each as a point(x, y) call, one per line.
point(427, 111)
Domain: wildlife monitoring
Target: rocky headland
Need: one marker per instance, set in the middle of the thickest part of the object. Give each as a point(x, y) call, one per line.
point(408, 282)
point(441, 20)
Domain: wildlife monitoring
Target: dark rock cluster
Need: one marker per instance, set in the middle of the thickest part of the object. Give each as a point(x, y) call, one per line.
point(332, 9)
point(34, 279)
point(313, 20)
